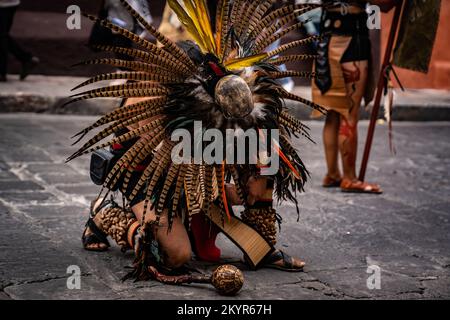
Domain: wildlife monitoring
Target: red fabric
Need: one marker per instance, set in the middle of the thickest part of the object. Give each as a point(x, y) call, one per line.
point(204, 236)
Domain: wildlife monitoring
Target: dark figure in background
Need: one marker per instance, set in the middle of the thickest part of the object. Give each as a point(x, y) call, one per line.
point(9, 45)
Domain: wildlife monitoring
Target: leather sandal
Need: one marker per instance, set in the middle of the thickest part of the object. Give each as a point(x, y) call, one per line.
point(288, 262)
point(96, 236)
point(357, 186)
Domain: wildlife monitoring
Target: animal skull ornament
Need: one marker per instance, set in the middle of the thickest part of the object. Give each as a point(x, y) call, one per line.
point(234, 97)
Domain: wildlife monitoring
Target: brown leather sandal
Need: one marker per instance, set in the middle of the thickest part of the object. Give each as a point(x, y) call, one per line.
point(288, 262)
point(357, 186)
point(96, 235)
point(329, 182)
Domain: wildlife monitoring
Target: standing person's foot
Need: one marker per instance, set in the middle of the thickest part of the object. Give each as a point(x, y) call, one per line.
point(331, 181)
point(356, 186)
point(28, 66)
point(3, 78)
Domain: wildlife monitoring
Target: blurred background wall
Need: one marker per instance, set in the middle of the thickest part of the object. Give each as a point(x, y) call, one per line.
point(41, 27)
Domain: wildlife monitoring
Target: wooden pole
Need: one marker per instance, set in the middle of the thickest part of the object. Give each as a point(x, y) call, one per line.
point(380, 89)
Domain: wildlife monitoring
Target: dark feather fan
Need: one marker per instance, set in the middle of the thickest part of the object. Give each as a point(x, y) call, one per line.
point(192, 81)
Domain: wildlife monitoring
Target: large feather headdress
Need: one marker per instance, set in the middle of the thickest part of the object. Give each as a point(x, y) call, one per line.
point(179, 83)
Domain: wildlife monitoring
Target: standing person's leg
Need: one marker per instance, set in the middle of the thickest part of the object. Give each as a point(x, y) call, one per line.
point(6, 17)
point(21, 55)
point(355, 74)
point(26, 58)
point(330, 141)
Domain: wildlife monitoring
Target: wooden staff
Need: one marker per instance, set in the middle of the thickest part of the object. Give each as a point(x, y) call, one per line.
point(380, 88)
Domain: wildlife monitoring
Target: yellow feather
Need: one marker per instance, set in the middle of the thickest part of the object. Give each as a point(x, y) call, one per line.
point(194, 16)
point(204, 17)
point(188, 23)
point(240, 63)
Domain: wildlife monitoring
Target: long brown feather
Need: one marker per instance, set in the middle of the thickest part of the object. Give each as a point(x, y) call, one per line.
point(235, 12)
point(140, 155)
point(291, 45)
point(178, 188)
point(290, 96)
point(288, 74)
point(273, 16)
point(119, 125)
point(152, 48)
point(127, 136)
point(238, 184)
point(257, 16)
point(131, 75)
point(170, 178)
point(134, 65)
point(247, 11)
point(122, 91)
point(163, 164)
point(296, 129)
point(207, 199)
point(146, 57)
point(142, 148)
point(166, 42)
point(264, 42)
point(125, 111)
point(292, 58)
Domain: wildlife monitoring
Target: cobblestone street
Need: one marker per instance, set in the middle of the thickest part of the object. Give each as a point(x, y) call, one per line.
point(406, 231)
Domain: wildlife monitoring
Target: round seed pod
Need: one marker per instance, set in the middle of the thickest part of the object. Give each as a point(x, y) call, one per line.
point(227, 279)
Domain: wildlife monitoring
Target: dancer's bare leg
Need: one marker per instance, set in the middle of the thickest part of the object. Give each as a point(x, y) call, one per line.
point(174, 243)
point(331, 146)
point(355, 74)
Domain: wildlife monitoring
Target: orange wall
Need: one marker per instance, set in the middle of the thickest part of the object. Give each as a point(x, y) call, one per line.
point(438, 76)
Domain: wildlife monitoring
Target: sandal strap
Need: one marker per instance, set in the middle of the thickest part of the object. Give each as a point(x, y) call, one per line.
point(92, 239)
point(280, 255)
point(101, 236)
point(359, 185)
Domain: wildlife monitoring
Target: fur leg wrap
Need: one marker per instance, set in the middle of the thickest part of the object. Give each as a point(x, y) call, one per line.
point(115, 222)
point(263, 220)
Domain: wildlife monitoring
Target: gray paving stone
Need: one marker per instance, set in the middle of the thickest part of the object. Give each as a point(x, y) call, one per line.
point(24, 154)
point(54, 168)
point(28, 197)
point(90, 289)
point(57, 178)
point(26, 256)
point(15, 185)
point(353, 283)
point(8, 176)
point(56, 211)
point(85, 189)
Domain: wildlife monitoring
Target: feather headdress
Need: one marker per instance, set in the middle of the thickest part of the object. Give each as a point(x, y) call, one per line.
point(180, 83)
